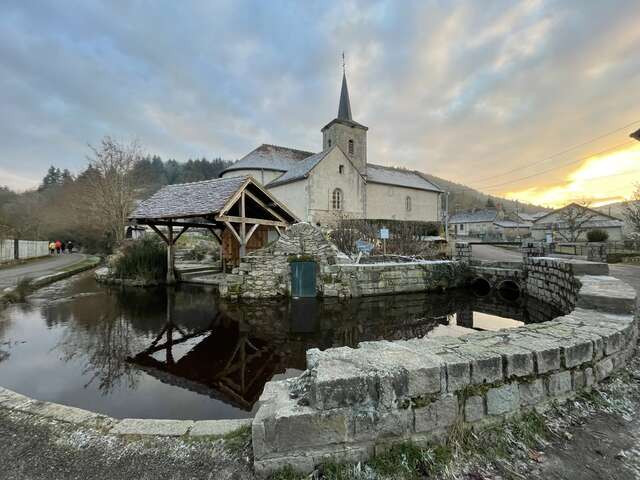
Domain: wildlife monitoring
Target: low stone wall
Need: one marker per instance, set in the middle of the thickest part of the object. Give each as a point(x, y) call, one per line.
point(352, 403)
point(355, 280)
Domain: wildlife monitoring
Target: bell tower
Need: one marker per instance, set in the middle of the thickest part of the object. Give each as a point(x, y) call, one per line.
point(342, 131)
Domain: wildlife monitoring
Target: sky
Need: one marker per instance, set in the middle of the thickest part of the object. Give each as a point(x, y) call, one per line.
point(532, 100)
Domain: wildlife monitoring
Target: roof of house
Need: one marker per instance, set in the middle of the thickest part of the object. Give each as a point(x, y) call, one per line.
point(399, 177)
point(478, 216)
point(300, 170)
point(270, 157)
point(594, 223)
point(530, 217)
point(204, 198)
point(596, 213)
point(511, 224)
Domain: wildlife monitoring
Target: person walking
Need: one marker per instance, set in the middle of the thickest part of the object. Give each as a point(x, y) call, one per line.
point(63, 246)
point(52, 247)
point(70, 246)
point(58, 246)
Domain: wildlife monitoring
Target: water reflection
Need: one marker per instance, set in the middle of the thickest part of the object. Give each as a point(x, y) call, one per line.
point(183, 353)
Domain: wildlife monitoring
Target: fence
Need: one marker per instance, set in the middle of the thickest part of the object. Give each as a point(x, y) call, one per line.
point(617, 247)
point(22, 249)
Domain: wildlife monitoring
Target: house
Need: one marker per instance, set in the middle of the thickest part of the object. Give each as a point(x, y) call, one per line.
point(529, 217)
point(511, 230)
point(339, 181)
point(571, 224)
point(475, 223)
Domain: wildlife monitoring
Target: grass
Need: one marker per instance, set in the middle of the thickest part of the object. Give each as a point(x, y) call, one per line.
point(412, 462)
point(144, 259)
point(238, 440)
point(19, 293)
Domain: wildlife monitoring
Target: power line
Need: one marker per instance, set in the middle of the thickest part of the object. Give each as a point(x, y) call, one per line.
point(517, 180)
point(559, 153)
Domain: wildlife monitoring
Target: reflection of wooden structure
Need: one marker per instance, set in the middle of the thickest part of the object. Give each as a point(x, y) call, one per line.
point(226, 364)
point(238, 211)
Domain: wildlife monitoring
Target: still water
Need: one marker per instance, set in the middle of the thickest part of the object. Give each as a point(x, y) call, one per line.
point(184, 353)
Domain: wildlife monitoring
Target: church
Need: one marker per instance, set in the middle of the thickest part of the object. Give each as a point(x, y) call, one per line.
point(338, 181)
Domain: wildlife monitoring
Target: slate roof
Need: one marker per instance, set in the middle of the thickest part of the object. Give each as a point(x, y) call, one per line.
point(511, 224)
point(189, 199)
point(344, 107)
point(270, 157)
point(531, 217)
point(300, 170)
point(478, 216)
point(595, 223)
point(398, 177)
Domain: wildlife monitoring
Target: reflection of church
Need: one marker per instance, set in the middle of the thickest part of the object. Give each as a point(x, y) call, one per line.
point(233, 356)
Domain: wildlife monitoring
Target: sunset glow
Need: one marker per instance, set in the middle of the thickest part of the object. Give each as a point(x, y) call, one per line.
point(600, 179)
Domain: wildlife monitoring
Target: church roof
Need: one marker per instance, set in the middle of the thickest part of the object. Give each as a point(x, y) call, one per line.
point(344, 108)
point(399, 177)
point(270, 157)
point(477, 216)
point(300, 170)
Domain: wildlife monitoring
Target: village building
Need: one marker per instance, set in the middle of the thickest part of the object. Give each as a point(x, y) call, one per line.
point(339, 181)
point(512, 230)
point(475, 223)
point(529, 217)
point(572, 223)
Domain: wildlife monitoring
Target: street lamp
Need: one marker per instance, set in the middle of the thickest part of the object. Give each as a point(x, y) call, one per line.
point(636, 135)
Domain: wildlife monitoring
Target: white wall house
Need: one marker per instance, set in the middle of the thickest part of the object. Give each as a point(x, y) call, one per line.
point(339, 181)
point(555, 224)
point(474, 223)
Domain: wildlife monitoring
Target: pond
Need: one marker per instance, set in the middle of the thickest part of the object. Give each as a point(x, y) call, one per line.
point(183, 353)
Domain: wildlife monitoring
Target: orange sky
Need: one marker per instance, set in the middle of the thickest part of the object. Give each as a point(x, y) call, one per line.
point(599, 179)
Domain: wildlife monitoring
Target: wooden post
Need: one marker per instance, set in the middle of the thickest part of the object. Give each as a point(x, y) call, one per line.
point(171, 274)
point(243, 227)
point(16, 249)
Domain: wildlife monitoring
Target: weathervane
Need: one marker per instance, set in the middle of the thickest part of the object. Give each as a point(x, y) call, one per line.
point(343, 64)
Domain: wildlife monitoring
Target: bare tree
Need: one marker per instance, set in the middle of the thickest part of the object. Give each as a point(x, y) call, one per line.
point(573, 220)
point(110, 186)
point(631, 210)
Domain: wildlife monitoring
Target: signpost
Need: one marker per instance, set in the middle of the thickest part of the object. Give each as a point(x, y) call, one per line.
point(384, 235)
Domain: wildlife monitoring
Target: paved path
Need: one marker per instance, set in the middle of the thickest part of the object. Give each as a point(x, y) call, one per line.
point(494, 254)
point(36, 268)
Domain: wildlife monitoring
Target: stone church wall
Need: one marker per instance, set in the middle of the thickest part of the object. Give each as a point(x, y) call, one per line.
point(389, 202)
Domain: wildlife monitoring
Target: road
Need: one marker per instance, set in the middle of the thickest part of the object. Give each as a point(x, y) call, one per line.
point(36, 268)
point(494, 254)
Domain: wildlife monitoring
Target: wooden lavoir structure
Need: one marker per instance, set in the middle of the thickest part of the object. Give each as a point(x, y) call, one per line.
point(238, 211)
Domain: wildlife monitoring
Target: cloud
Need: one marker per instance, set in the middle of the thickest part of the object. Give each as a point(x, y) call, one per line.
point(462, 90)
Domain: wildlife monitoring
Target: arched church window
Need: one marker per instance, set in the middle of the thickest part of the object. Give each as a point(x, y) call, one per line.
point(407, 204)
point(336, 199)
point(350, 147)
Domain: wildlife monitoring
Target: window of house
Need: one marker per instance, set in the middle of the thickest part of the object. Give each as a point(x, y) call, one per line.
point(462, 227)
point(350, 147)
point(407, 204)
point(341, 169)
point(336, 199)
point(329, 142)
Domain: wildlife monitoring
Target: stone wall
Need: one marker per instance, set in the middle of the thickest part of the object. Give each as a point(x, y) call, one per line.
point(266, 273)
point(360, 280)
point(351, 403)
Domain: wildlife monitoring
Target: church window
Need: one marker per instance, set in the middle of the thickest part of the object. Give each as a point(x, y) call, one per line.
point(407, 204)
point(329, 143)
point(350, 147)
point(336, 199)
point(341, 169)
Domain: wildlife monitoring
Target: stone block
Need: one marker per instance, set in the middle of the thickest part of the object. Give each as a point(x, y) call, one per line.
point(603, 369)
point(486, 366)
point(217, 427)
point(439, 414)
point(532, 393)
point(474, 408)
point(340, 383)
point(559, 383)
point(370, 426)
point(143, 426)
point(518, 362)
point(577, 352)
point(503, 399)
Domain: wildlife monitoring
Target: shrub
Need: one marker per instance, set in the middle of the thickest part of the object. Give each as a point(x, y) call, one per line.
point(597, 235)
point(144, 259)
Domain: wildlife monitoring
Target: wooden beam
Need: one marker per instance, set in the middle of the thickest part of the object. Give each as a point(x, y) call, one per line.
point(251, 231)
point(278, 230)
point(264, 205)
point(213, 232)
point(184, 229)
point(243, 225)
point(235, 197)
point(259, 221)
point(166, 223)
point(162, 236)
point(233, 230)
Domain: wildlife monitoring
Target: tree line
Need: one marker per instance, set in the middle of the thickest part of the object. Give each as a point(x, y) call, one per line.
point(92, 207)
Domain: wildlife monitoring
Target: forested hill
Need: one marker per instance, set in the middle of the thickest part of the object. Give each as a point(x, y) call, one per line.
point(462, 198)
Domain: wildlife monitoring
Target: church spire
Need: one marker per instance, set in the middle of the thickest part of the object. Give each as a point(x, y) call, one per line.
point(344, 108)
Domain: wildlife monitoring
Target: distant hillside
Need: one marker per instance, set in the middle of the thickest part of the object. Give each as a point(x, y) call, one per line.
point(462, 198)
point(613, 209)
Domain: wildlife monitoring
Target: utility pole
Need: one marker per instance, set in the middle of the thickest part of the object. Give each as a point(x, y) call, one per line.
point(446, 217)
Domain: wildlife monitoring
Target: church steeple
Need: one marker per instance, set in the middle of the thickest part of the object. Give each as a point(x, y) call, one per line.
point(344, 108)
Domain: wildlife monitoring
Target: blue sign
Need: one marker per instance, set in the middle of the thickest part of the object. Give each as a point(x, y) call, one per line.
point(384, 233)
point(364, 246)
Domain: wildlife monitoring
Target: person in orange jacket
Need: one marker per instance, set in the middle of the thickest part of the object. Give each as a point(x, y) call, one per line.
point(58, 246)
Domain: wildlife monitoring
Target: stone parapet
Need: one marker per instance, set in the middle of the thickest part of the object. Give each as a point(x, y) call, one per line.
point(352, 403)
